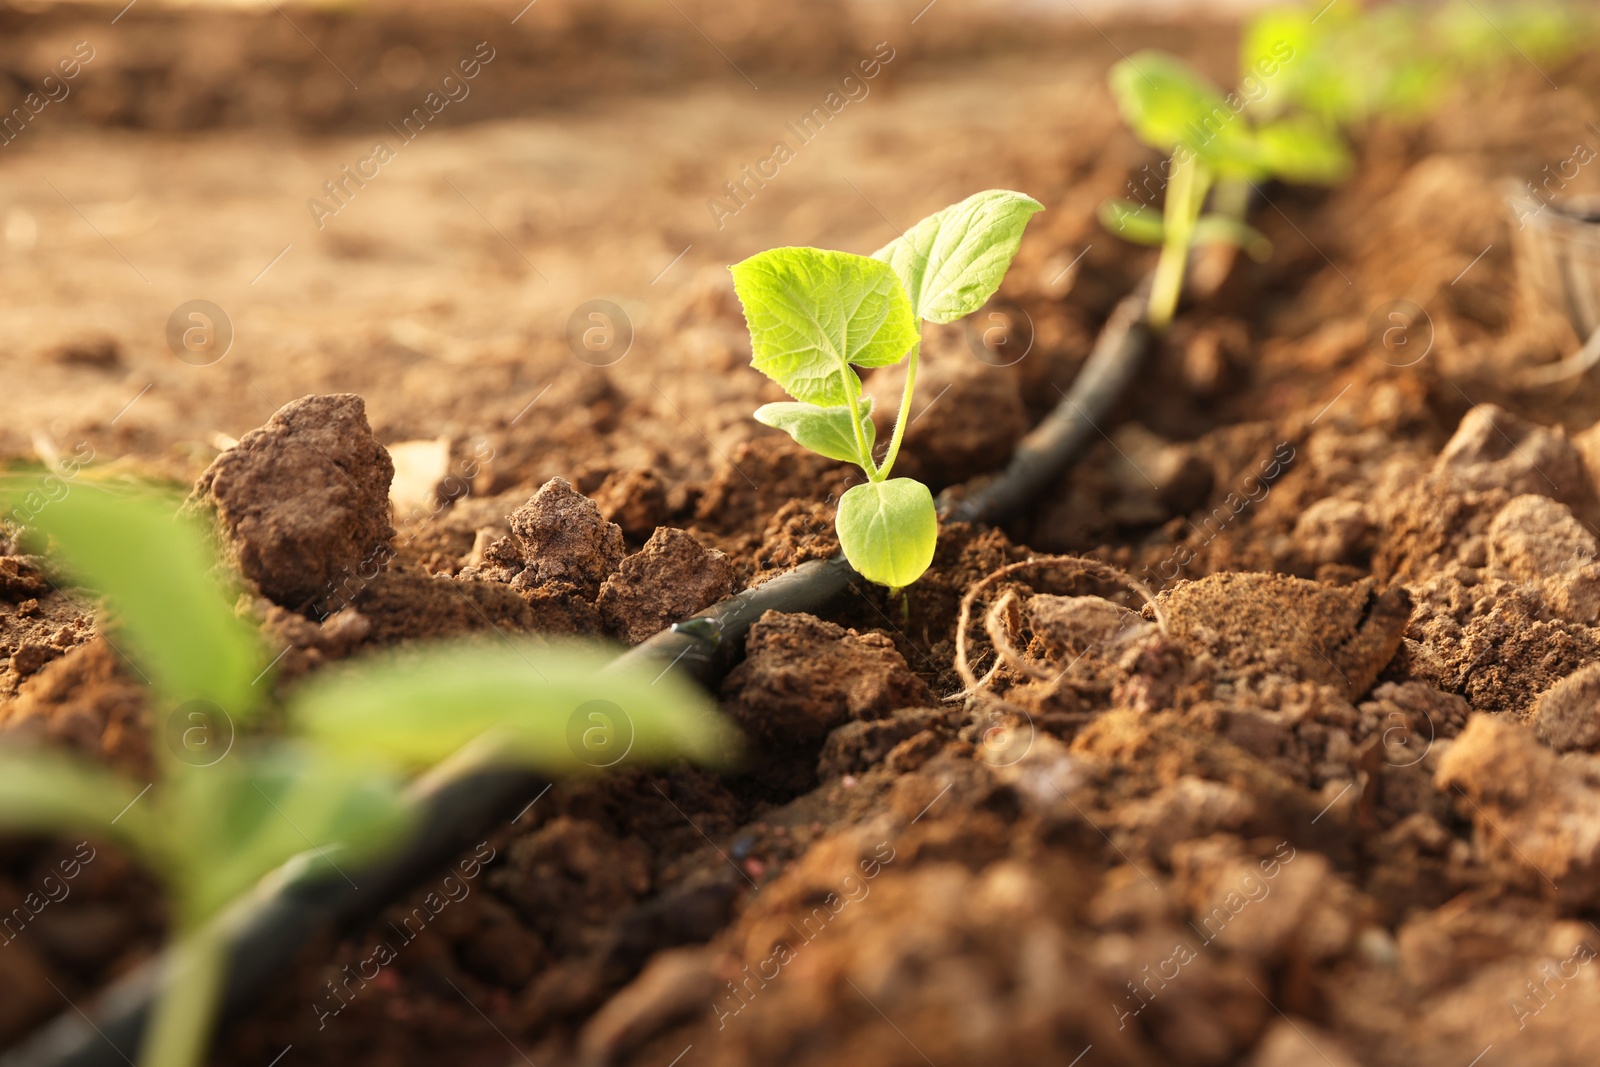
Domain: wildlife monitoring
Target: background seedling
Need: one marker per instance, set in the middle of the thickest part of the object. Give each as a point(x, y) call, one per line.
point(224, 811)
point(1353, 62)
point(816, 315)
point(1174, 108)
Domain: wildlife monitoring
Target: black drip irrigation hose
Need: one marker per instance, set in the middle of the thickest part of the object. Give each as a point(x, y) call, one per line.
point(268, 927)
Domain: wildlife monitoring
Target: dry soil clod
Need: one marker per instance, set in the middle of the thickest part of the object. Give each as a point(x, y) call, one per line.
point(669, 579)
point(303, 502)
point(802, 677)
point(560, 536)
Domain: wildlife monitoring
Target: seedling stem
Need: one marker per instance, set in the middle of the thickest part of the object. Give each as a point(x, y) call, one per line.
point(901, 419)
point(183, 1018)
point(1191, 180)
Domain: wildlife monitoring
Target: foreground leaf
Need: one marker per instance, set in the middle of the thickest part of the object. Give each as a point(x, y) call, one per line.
point(888, 530)
point(154, 569)
point(814, 313)
point(561, 707)
point(825, 431)
point(245, 816)
point(48, 793)
point(952, 262)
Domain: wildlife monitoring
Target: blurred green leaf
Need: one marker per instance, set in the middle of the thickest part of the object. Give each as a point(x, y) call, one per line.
point(1133, 222)
point(41, 791)
point(1350, 63)
point(562, 707)
point(154, 569)
point(245, 815)
point(1220, 229)
point(1170, 105)
point(1303, 149)
point(1274, 48)
point(952, 262)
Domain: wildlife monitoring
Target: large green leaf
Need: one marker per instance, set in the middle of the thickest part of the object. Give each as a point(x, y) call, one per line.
point(244, 816)
point(154, 569)
point(814, 313)
point(825, 431)
point(560, 707)
point(888, 530)
point(952, 262)
point(50, 793)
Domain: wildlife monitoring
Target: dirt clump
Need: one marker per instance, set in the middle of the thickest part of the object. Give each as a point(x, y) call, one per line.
point(1285, 1044)
point(560, 536)
point(1070, 625)
point(1431, 526)
point(571, 877)
point(847, 933)
point(303, 502)
point(1190, 807)
point(21, 579)
point(407, 604)
point(761, 476)
point(797, 532)
point(860, 745)
point(1335, 530)
point(1303, 913)
point(802, 677)
point(35, 628)
point(1414, 714)
point(1567, 715)
point(1258, 624)
point(85, 701)
point(1534, 538)
point(1536, 815)
point(1457, 512)
point(1538, 541)
point(1494, 449)
point(669, 579)
point(634, 499)
point(1491, 640)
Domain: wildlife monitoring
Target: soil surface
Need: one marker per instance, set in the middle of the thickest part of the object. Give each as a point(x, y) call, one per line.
point(1334, 796)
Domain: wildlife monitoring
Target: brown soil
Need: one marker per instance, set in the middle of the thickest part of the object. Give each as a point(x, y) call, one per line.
point(1334, 797)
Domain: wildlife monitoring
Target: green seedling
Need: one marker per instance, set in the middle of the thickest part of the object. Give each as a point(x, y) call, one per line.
point(1211, 139)
point(1348, 64)
point(816, 315)
point(224, 810)
point(1351, 63)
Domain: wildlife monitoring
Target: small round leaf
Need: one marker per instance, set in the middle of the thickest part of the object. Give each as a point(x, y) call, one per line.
point(888, 530)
